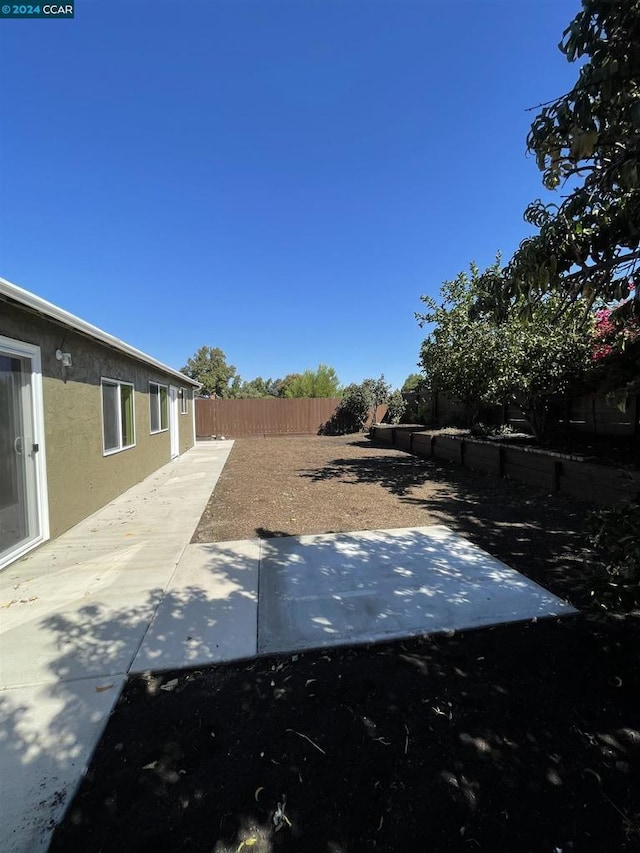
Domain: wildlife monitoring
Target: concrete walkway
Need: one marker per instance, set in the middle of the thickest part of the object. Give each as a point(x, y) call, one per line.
point(125, 592)
point(72, 617)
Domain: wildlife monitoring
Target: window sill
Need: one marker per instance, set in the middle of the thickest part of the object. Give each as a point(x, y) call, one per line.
point(115, 450)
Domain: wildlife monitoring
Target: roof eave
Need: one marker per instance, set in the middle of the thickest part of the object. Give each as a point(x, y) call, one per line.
point(48, 309)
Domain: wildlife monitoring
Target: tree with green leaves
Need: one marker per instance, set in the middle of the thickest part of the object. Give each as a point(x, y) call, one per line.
point(209, 367)
point(321, 382)
point(413, 382)
point(353, 409)
point(285, 385)
point(378, 391)
point(459, 355)
point(397, 406)
point(587, 143)
point(255, 389)
point(482, 360)
point(360, 402)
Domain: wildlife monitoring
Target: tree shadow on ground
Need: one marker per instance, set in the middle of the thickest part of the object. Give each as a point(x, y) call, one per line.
point(523, 737)
point(518, 737)
point(541, 535)
point(510, 738)
point(265, 533)
point(397, 474)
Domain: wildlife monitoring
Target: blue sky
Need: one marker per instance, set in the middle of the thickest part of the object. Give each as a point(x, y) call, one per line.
point(279, 178)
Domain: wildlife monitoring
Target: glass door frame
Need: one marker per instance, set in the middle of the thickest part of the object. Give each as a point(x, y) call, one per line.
point(39, 503)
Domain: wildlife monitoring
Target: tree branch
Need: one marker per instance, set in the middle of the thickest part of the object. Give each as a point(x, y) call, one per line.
point(603, 266)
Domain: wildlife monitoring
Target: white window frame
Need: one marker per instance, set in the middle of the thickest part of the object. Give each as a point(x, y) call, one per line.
point(118, 383)
point(184, 401)
point(158, 385)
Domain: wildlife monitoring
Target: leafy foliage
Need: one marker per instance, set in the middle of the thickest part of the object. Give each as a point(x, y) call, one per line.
point(353, 410)
point(256, 388)
point(321, 382)
point(209, 367)
point(482, 359)
point(615, 536)
point(413, 382)
point(397, 406)
point(616, 352)
point(588, 142)
point(378, 392)
point(459, 354)
point(480, 430)
point(359, 404)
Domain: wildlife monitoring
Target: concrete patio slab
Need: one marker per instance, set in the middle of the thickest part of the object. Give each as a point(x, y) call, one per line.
point(364, 587)
point(48, 735)
point(95, 636)
point(209, 612)
point(72, 617)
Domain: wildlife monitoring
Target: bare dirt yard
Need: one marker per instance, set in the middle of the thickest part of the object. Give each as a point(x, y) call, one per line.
point(523, 738)
point(294, 486)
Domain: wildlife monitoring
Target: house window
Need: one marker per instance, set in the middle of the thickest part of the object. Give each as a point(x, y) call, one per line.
point(118, 420)
point(158, 407)
point(184, 401)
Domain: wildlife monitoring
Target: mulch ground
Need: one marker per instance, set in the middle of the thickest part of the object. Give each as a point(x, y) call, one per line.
point(522, 737)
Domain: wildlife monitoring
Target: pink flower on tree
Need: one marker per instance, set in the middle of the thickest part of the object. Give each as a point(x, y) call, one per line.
point(611, 333)
point(604, 334)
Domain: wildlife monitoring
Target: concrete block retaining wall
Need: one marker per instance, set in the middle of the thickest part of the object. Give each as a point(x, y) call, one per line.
point(554, 472)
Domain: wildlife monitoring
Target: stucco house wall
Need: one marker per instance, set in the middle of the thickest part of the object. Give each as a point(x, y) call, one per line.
point(80, 477)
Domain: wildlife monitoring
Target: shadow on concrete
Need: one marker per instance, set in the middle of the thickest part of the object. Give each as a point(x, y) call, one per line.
point(373, 585)
point(318, 591)
point(209, 612)
point(540, 535)
point(49, 728)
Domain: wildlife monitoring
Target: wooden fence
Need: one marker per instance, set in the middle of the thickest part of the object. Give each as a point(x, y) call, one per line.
point(268, 416)
point(600, 416)
point(265, 416)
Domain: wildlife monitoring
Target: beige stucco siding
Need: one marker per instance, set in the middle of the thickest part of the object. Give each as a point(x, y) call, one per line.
point(81, 479)
point(186, 424)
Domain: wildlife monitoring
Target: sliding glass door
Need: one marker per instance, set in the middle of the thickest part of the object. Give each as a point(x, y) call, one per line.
point(22, 485)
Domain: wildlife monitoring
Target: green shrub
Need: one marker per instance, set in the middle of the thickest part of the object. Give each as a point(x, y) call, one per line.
point(396, 407)
point(423, 413)
point(352, 412)
point(359, 404)
point(615, 569)
point(481, 430)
